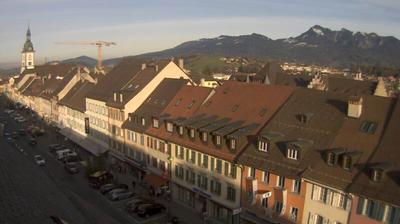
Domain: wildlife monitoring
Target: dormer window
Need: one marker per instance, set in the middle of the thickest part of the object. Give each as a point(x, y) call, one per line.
point(376, 175)
point(204, 136)
point(330, 158)
point(263, 145)
point(156, 123)
point(218, 140)
point(292, 153)
point(346, 162)
point(232, 144)
point(180, 130)
point(170, 127)
point(143, 121)
point(191, 133)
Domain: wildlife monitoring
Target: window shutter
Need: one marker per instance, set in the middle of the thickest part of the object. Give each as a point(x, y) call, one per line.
point(233, 171)
point(176, 151)
point(226, 170)
point(360, 205)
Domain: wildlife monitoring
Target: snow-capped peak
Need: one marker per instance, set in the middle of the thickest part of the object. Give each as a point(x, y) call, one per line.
point(318, 31)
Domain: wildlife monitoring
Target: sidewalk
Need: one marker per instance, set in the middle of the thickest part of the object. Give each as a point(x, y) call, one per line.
point(185, 215)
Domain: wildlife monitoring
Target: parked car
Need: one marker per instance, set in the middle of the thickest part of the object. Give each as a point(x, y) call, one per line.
point(7, 134)
point(14, 135)
point(132, 205)
point(32, 142)
point(39, 160)
point(22, 132)
point(56, 148)
point(74, 158)
point(147, 210)
point(121, 195)
point(71, 168)
point(99, 178)
point(62, 153)
point(109, 187)
point(115, 191)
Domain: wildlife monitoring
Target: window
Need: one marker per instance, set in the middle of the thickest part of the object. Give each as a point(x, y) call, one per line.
point(265, 177)
point(205, 161)
point(179, 172)
point(330, 158)
point(319, 193)
point(368, 127)
point(264, 202)
point(212, 163)
point(231, 193)
point(233, 144)
point(191, 133)
point(192, 177)
point(280, 181)
point(226, 168)
point(178, 101)
point(346, 162)
point(155, 123)
point(278, 207)
point(180, 130)
point(215, 187)
point(233, 171)
point(263, 146)
point(293, 154)
point(204, 136)
point(202, 181)
point(293, 213)
point(170, 127)
point(339, 200)
point(252, 173)
point(143, 121)
point(218, 140)
point(180, 152)
point(377, 175)
point(193, 156)
point(372, 209)
point(219, 166)
point(296, 186)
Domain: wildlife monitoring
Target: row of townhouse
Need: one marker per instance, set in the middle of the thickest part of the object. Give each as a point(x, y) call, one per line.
point(239, 153)
point(254, 153)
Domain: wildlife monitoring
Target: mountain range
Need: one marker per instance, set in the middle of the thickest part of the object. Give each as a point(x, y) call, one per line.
point(318, 45)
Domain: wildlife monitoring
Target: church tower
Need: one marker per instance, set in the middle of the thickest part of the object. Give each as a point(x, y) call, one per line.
point(27, 54)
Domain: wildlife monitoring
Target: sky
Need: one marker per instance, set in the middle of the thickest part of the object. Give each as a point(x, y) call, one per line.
point(140, 26)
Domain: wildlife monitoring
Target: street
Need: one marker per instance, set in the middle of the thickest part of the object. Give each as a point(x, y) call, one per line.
point(31, 193)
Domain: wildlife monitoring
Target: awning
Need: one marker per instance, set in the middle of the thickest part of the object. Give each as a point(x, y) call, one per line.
point(93, 147)
point(155, 180)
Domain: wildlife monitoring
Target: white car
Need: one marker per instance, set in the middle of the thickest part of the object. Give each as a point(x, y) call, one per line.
point(39, 160)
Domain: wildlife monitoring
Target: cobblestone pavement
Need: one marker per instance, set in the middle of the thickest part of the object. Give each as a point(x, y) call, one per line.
point(30, 194)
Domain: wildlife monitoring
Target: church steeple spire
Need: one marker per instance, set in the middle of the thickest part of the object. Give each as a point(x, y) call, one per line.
point(28, 33)
point(27, 59)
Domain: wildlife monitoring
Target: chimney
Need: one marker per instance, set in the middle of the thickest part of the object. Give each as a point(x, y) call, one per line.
point(181, 63)
point(156, 67)
point(143, 66)
point(354, 108)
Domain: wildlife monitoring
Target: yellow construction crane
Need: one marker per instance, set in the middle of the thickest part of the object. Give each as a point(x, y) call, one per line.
point(99, 45)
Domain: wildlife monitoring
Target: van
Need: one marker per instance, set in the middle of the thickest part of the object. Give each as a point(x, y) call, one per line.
point(61, 153)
